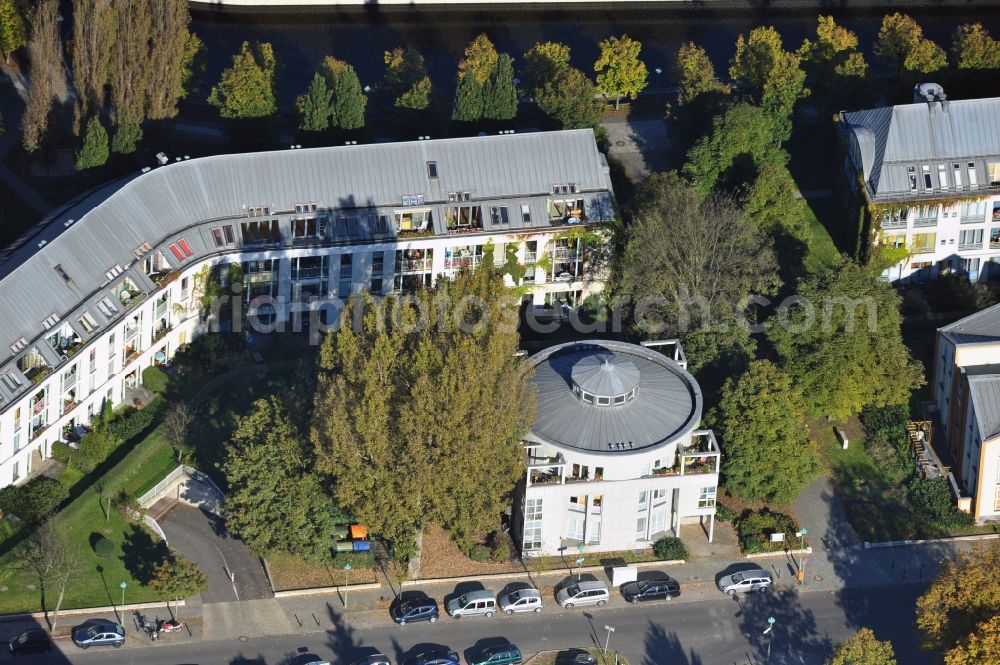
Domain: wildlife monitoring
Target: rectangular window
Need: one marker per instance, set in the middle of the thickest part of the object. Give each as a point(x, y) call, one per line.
point(185, 247)
point(12, 381)
point(532, 539)
point(640, 528)
point(970, 239)
point(574, 527)
point(525, 212)
point(912, 174)
point(973, 212)
point(107, 307)
point(642, 499)
point(659, 496)
point(594, 537)
point(923, 243)
point(87, 322)
point(432, 170)
point(498, 215)
point(217, 236)
point(376, 288)
point(928, 183)
point(378, 262)
point(973, 179)
point(970, 266)
point(993, 169)
point(50, 321)
point(942, 177)
point(62, 273)
point(19, 344)
point(305, 228)
point(658, 522)
point(176, 252)
point(956, 173)
point(113, 271)
point(706, 497)
point(142, 250)
point(264, 231)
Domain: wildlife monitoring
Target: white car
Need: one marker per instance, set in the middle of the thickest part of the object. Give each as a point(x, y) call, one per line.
point(745, 582)
point(522, 600)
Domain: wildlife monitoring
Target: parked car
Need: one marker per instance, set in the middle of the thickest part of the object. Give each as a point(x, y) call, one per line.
point(583, 593)
point(374, 659)
point(745, 581)
point(419, 609)
point(658, 589)
point(106, 633)
point(503, 654)
point(434, 657)
point(474, 603)
point(31, 641)
point(522, 600)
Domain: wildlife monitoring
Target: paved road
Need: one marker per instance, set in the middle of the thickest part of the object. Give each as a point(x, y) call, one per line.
point(718, 631)
point(202, 537)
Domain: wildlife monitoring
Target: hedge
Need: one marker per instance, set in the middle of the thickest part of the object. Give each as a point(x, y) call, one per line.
point(33, 500)
point(72, 457)
point(155, 379)
point(754, 529)
point(670, 549)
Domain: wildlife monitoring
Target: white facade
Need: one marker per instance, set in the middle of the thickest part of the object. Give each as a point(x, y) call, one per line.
point(962, 238)
point(624, 497)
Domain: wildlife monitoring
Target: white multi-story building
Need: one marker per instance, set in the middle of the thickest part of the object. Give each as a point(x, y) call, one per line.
point(966, 390)
point(927, 177)
point(110, 284)
point(616, 458)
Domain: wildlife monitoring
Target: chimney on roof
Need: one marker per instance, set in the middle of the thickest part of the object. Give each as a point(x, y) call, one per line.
point(929, 93)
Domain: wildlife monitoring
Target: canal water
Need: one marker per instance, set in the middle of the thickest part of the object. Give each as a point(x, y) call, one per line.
point(303, 37)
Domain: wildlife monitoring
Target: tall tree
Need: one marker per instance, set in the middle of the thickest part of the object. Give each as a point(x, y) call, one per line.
point(543, 62)
point(771, 202)
point(47, 555)
point(571, 99)
point(480, 57)
point(964, 595)
point(276, 500)
point(128, 68)
point(981, 647)
point(315, 106)
point(620, 72)
point(832, 61)
point(13, 28)
point(901, 45)
point(173, 48)
point(469, 100)
point(740, 144)
point(777, 74)
point(695, 74)
point(973, 48)
point(500, 95)
point(177, 427)
point(348, 102)
point(127, 135)
point(397, 424)
point(95, 29)
point(863, 648)
point(842, 342)
point(94, 151)
point(769, 457)
point(47, 78)
point(176, 578)
point(247, 89)
point(406, 79)
point(673, 244)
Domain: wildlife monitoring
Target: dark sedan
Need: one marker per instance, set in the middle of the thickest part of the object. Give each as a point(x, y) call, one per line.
point(412, 611)
point(659, 589)
point(435, 657)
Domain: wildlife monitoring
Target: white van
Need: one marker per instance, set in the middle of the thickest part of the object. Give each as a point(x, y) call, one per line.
point(474, 603)
point(522, 600)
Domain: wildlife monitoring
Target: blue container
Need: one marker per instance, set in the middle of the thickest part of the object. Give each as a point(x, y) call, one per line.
point(362, 545)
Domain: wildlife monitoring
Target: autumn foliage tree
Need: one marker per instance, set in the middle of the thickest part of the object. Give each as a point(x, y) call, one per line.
point(695, 75)
point(620, 72)
point(957, 614)
point(399, 425)
point(543, 62)
point(863, 648)
point(901, 45)
point(406, 79)
point(832, 61)
point(974, 48)
point(246, 88)
point(13, 28)
point(176, 578)
point(47, 78)
point(571, 100)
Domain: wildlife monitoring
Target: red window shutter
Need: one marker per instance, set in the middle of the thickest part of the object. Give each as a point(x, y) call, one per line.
point(184, 246)
point(177, 252)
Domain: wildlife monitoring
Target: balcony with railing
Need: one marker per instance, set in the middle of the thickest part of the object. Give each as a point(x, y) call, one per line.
point(567, 254)
point(456, 262)
point(970, 245)
point(995, 239)
point(131, 330)
point(162, 332)
point(313, 272)
point(69, 380)
point(924, 220)
point(414, 265)
point(530, 257)
point(701, 455)
point(544, 469)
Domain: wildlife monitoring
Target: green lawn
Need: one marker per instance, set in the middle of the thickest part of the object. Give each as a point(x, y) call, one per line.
point(821, 251)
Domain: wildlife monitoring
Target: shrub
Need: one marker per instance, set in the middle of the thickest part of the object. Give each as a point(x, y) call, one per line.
point(670, 549)
point(754, 529)
point(479, 553)
point(33, 500)
point(72, 457)
point(96, 445)
point(724, 513)
point(885, 424)
point(499, 544)
point(131, 423)
point(104, 548)
point(932, 498)
point(155, 379)
point(887, 443)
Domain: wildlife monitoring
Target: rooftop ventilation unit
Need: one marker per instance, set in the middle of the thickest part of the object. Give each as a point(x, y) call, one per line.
point(162, 158)
point(145, 169)
point(42, 243)
point(68, 223)
point(928, 92)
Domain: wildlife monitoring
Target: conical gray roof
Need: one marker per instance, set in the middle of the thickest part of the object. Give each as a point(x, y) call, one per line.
point(606, 374)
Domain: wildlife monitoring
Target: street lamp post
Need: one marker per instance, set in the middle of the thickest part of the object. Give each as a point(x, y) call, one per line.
point(610, 630)
point(347, 577)
point(767, 632)
point(801, 534)
point(123, 586)
point(579, 569)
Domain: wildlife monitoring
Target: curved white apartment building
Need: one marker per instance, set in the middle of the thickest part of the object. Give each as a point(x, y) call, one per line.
point(107, 286)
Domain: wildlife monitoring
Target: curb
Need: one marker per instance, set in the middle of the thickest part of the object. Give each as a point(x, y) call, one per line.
point(764, 555)
point(88, 610)
point(293, 593)
point(903, 543)
point(528, 574)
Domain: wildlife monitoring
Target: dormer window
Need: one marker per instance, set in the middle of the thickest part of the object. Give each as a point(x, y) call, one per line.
point(50, 321)
point(311, 227)
point(258, 211)
point(87, 322)
point(12, 381)
point(928, 183)
point(62, 273)
point(19, 345)
point(113, 271)
point(432, 170)
point(311, 206)
point(912, 173)
point(142, 250)
point(973, 178)
point(181, 249)
point(107, 307)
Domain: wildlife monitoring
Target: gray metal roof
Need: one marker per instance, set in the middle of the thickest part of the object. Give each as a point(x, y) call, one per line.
point(171, 201)
point(891, 139)
point(983, 326)
point(667, 405)
point(607, 374)
point(984, 391)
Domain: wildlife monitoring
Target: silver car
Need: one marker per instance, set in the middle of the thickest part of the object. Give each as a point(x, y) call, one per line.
point(745, 581)
point(583, 593)
point(522, 600)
